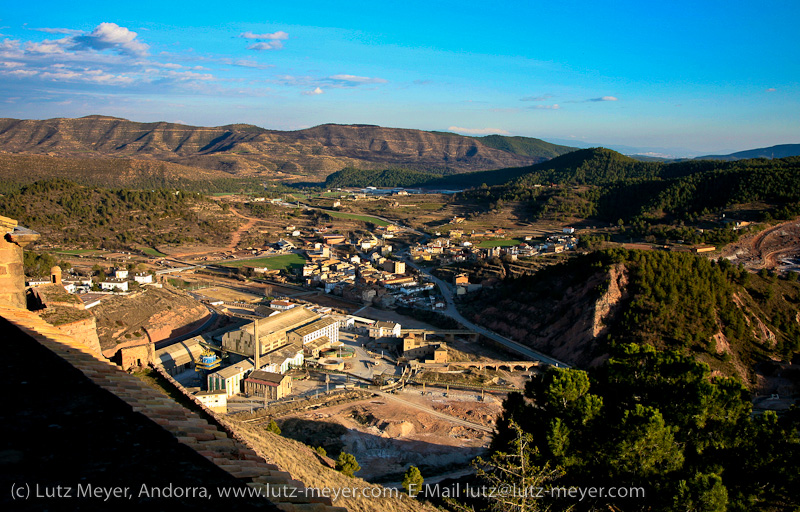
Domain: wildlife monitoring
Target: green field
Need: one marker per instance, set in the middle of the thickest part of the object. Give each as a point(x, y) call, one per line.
point(365, 218)
point(75, 252)
point(500, 242)
point(152, 252)
point(284, 261)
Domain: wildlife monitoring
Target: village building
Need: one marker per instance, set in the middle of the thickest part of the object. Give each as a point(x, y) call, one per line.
point(216, 400)
point(382, 329)
point(281, 305)
point(230, 379)
point(282, 359)
point(114, 285)
point(272, 332)
point(324, 327)
point(180, 357)
point(270, 386)
point(143, 277)
point(416, 347)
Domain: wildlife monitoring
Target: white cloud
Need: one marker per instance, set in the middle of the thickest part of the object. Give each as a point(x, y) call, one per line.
point(279, 35)
point(47, 47)
point(315, 92)
point(536, 98)
point(546, 107)
point(96, 76)
point(68, 31)
point(20, 72)
point(110, 36)
point(246, 63)
point(358, 79)
point(262, 46)
point(771, 89)
point(604, 98)
point(478, 131)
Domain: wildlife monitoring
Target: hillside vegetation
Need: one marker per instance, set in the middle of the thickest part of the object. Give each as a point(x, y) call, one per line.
point(583, 308)
point(246, 150)
point(652, 420)
point(667, 345)
point(18, 170)
point(305, 465)
point(604, 185)
point(779, 151)
point(63, 211)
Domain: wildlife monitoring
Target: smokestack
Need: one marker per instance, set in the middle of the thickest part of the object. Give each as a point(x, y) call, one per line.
point(257, 358)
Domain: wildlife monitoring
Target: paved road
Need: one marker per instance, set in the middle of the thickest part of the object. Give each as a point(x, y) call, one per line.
point(433, 412)
point(453, 313)
point(183, 337)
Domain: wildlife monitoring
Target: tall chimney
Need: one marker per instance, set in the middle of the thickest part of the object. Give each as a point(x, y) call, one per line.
point(257, 344)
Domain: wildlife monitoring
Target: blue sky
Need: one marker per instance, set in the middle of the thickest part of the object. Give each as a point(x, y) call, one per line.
point(692, 77)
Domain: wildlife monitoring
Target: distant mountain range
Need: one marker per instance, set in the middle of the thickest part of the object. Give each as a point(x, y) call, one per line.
point(241, 150)
point(779, 151)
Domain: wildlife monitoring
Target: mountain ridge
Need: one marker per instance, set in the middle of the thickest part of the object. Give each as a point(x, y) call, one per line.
point(248, 150)
point(777, 151)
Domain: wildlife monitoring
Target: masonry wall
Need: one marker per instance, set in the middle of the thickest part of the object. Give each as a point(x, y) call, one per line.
point(12, 276)
point(85, 331)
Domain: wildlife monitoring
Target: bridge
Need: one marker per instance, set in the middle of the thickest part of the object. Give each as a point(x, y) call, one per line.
point(509, 366)
point(448, 334)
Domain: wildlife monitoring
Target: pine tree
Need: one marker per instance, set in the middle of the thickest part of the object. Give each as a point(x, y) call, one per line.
point(412, 481)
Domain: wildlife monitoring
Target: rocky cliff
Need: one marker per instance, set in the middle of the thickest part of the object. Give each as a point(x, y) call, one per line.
point(150, 315)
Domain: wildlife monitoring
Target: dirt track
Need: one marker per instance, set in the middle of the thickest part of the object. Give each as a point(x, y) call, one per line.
point(767, 248)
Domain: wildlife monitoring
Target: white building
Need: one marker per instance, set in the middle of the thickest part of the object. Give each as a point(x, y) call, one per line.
point(143, 278)
point(217, 400)
point(281, 305)
point(120, 273)
point(230, 378)
point(327, 327)
point(382, 329)
point(114, 285)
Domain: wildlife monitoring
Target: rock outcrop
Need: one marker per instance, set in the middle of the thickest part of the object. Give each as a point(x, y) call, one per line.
point(151, 315)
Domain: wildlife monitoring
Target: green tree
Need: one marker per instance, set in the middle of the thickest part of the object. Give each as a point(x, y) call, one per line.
point(412, 481)
point(347, 464)
point(273, 427)
point(517, 470)
point(322, 451)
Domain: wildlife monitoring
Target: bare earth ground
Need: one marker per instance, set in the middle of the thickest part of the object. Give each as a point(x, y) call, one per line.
point(767, 248)
point(386, 436)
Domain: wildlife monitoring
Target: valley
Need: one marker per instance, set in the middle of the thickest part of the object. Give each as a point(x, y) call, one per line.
point(582, 265)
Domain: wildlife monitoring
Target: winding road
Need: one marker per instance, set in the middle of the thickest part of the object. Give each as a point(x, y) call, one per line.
point(510, 344)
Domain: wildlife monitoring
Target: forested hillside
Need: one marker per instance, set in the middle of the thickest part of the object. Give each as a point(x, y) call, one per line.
point(669, 348)
point(66, 212)
point(717, 312)
point(604, 185)
point(654, 428)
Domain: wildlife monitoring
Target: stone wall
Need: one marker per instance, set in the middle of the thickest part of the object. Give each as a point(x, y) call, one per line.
point(85, 331)
point(12, 274)
point(12, 277)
